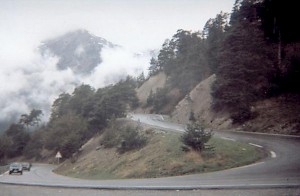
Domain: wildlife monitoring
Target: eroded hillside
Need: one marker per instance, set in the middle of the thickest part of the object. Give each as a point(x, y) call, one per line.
point(277, 115)
point(198, 103)
point(152, 84)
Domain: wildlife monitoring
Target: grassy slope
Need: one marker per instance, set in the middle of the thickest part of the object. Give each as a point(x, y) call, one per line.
point(161, 157)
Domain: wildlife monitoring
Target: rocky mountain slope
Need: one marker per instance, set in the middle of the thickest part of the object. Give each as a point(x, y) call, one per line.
point(78, 50)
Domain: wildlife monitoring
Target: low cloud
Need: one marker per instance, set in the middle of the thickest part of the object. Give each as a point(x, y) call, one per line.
point(36, 82)
point(28, 80)
point(117, 64)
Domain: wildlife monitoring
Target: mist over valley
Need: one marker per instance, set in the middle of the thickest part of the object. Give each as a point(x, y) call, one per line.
point(59, 65)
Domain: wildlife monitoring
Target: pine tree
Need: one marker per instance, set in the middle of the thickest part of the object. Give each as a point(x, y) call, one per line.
point(247, 67)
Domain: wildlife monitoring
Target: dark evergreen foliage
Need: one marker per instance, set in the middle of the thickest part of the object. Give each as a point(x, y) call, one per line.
point(247, 67)
point(17, 139)
point(196, 136)
point(131, 139)
point(279, 20)
point(123, 138)
point(74, 119)
point(31, 119)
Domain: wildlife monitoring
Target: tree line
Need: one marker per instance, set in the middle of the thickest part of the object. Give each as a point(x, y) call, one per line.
point(254, 52)
point(74, 119)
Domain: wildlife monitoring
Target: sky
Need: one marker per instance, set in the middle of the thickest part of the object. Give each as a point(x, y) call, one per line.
point(29, 80)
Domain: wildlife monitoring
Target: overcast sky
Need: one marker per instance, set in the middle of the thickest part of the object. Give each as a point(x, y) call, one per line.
point(137, 25)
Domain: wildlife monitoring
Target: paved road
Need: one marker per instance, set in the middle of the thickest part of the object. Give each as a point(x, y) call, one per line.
point(17, 190)
point(281, 169)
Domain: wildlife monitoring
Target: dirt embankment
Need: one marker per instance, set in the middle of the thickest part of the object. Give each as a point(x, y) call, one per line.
point(198, 102)
point(153, 83)
point(279, 115)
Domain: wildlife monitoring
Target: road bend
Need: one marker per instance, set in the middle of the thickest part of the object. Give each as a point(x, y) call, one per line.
point(281, 169)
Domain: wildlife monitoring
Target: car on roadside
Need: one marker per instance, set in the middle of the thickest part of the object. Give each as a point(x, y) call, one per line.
point(26, 166)
point(16, 168)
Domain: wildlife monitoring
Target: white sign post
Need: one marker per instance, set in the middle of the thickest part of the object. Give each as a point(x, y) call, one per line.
point(58, 156)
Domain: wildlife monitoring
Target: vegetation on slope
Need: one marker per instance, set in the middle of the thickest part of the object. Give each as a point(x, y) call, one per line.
point(161, 156)
point(255, 56)
point(74, 119)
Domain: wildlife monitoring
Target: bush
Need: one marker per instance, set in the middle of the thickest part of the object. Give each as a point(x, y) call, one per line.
point(195, 137)
point(110, 138)
point(123, 138)
point(131, 139)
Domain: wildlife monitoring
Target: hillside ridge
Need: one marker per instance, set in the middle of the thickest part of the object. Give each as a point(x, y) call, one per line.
point(199, 102)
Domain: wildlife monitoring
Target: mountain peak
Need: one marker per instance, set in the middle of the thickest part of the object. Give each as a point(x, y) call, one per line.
point(78, 50)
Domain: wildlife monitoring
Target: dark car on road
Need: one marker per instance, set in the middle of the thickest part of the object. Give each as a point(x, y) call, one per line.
point(26, 166)
point(16, 168)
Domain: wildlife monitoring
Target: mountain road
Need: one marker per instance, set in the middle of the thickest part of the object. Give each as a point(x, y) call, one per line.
point(280, 169)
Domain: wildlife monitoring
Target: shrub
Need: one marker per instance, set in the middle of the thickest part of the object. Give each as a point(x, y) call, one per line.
point(123, 138)
point(196, 136)
point(110, 138)
point(131, 139)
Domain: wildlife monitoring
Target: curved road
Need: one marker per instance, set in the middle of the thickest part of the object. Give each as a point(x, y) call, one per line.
point(281, 169)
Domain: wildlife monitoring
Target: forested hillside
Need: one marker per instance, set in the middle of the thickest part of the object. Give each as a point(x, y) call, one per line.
point(75, 118)
point(254, 53)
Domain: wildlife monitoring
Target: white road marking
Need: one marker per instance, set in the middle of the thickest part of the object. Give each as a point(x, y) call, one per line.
point(227, 138)
point(256, 145)
point(273, 154)
point(254, 164)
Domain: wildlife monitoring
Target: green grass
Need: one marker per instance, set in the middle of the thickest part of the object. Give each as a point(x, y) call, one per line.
point(162, 156)
point(234, 153)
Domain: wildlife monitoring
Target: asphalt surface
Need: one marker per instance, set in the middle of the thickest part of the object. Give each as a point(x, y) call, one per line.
point(17, 190)
point(281, 169)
